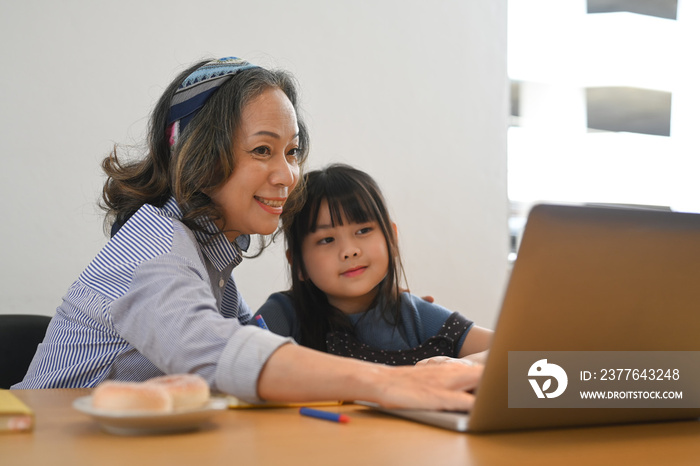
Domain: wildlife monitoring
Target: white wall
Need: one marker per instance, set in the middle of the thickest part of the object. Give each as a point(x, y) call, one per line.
point(413, 91)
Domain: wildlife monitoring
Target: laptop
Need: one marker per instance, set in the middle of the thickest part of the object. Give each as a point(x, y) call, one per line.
point(593, 281)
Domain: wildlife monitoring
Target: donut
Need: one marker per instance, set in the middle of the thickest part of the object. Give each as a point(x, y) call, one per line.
point(131, 397)
point(188, 391)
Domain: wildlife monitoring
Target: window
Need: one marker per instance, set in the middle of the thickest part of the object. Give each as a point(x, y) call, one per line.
point(603, 104)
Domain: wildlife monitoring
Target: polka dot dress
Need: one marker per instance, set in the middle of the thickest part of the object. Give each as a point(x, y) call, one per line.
point(442, 344)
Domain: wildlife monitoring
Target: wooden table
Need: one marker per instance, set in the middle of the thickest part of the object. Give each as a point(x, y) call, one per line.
point(64, 436)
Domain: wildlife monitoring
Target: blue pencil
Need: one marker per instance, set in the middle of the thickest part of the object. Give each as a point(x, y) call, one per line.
point(261, 322)
point(318, 414)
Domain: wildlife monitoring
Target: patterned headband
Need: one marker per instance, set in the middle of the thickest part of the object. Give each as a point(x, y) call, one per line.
point(196, 89)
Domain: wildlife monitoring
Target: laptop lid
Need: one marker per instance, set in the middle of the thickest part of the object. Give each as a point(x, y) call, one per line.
point(591, 281)
point(594, 279)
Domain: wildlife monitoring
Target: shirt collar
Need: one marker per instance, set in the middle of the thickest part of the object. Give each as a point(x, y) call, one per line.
point(218, 249)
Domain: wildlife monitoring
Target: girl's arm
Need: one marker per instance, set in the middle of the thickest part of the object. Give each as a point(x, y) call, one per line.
point(476, 343)
point(478, 340)
point(474, 350)
point(296, 373)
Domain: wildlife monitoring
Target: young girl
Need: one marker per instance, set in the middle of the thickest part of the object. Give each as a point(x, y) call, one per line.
point(226, 148)
point(346, 271)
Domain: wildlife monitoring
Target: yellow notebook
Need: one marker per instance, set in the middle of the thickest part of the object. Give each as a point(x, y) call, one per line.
point(15, 416)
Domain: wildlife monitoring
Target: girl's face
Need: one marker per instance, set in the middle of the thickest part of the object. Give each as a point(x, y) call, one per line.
point(346, 262)
point(265, 148)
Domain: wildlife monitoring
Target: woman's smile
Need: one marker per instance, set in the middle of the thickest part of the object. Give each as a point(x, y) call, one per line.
point(271, 205)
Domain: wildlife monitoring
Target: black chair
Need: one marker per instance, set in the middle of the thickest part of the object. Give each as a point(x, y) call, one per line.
point(20, 334)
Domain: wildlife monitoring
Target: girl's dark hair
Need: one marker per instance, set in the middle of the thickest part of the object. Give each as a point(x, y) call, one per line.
point(352, 196)
point(201, 160)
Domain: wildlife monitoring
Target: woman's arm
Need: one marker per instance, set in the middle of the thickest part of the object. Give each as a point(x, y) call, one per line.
point(296, 373)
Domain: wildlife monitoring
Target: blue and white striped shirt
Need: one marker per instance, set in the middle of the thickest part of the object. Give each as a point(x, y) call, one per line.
point(155, 301)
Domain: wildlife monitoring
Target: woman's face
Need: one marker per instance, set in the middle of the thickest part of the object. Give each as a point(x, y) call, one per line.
point(265, 149)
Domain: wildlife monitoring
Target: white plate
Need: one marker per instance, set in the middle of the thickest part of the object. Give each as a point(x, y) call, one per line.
point(151, 423)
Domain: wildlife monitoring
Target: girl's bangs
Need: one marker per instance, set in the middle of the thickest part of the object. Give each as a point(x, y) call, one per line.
point(351, 203)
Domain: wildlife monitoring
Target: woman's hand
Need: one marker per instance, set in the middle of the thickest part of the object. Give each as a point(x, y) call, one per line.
point(427, 298)
point(431, 386)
